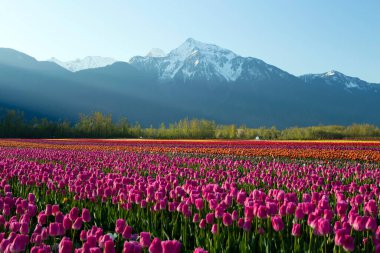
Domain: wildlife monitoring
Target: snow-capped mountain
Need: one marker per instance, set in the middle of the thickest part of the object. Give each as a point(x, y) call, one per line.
point(156, 52)
point(89, 62)
point(334, 77)
point(194, 60)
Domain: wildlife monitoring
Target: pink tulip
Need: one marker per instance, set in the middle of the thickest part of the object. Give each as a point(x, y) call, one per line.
point(371, 224)
point(214, 229)
point(155, 246)
point(171, 246)
point(241, 197)
point(4, 245)
point(24, 228)
point(199, 205)
point(359, 223)
point(67, 223)
point(323, 227)
point(91, 240)
point(59, 217)
point(103, 239)
point(277, 223)
point(127, 232)
point(247, 225)
point(235, 215)
point(282, 211)
point(296, 230)
point(66, 245)
point(200, 250)
point(219, 211)
point(77, 225)
point(371, 207)
point(74, 213)
point(209, 218)
point(196, 218)
point(299, 214)
point(83, 235)
point(55, 229)
point(31, 198)
point(19, 243)
point(290, 208)
point(262, 212)
point(202, 224)
point(54, 210)
point(48, 210)
point(86, 216)
point(348, 243)
point(95, 250)
point(42, 218)
point(109, 247)
point(227, 219)
point(145, 239)
point(120, 225)
point(132, 247)
point(240, 222)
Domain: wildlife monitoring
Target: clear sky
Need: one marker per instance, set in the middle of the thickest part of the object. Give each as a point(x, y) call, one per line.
point(296, 35)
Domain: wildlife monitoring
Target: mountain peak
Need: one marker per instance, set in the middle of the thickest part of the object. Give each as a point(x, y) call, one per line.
point(191, 47)
point(190, 40)
point(198, 61)
point(334, 77)
point(156, 52)
point(333, 73)
point(88, 62)
point(193, 42)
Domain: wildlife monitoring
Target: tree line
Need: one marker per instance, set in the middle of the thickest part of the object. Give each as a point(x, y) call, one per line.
point(13, 124)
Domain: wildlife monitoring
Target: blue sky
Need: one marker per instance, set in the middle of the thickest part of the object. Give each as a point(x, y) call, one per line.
point(298, 36)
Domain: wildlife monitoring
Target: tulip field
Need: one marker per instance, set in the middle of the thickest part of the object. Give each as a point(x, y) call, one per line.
point(94, 195)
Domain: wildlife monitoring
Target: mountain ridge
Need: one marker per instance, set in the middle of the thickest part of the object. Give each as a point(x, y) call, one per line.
point(185, 83)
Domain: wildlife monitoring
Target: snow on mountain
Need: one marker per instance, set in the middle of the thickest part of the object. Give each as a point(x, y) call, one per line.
point(194, 60)
point(156, 52)
point(89, 62)
point(334, 77)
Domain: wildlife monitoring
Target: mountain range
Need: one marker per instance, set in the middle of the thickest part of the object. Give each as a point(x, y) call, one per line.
point(193, 80)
